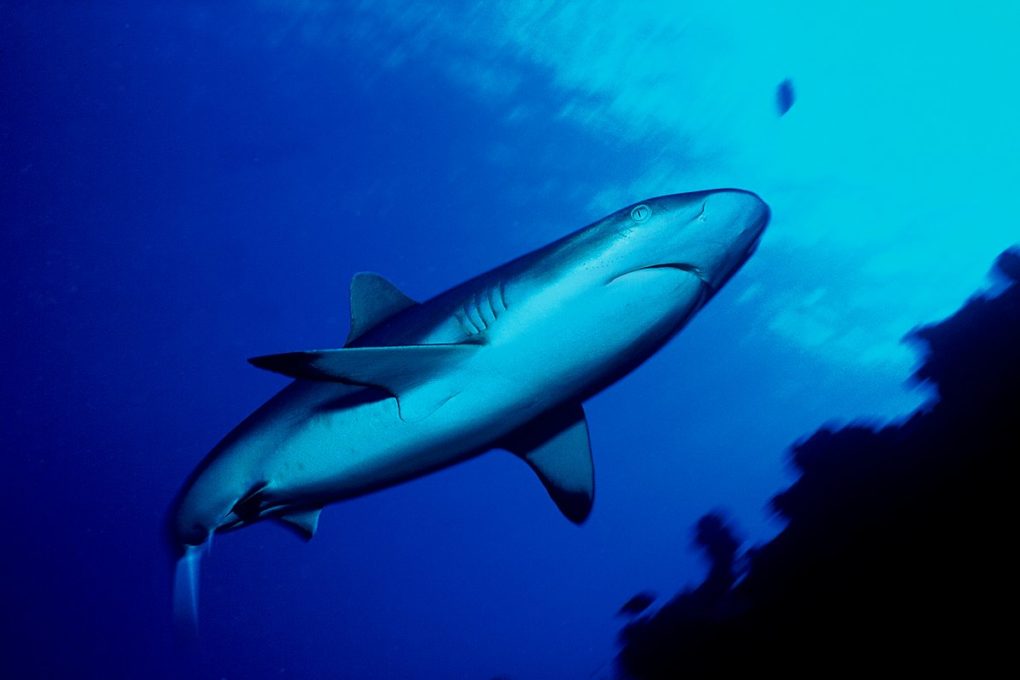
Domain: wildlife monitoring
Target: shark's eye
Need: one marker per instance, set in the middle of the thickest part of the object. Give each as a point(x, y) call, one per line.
point(640, 213)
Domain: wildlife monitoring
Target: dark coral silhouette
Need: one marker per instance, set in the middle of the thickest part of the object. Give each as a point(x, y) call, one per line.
point(894, 559)
point(713, 535)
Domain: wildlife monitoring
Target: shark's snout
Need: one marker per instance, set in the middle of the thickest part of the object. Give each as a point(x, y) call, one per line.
point(733, 222)
point(710, 234)
point(743, 210)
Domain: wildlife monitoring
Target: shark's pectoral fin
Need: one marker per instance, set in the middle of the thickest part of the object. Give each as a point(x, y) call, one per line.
point(557, 448)
point(305, 522)
point(373, 300)
point(411, 373)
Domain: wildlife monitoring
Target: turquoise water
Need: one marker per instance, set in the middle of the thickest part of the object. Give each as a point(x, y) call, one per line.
point(185, 186)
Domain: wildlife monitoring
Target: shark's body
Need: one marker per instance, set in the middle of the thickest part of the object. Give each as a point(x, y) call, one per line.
point(502, 360)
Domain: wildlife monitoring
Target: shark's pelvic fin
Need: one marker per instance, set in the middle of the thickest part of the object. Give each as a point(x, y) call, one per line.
point(557, 448)
point(397, 370)
point(305, 522)
point(373, 300)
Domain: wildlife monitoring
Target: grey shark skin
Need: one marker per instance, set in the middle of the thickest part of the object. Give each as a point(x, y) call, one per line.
point(503, 360)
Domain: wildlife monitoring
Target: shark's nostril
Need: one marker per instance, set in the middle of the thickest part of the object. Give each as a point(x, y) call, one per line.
point(700, 217)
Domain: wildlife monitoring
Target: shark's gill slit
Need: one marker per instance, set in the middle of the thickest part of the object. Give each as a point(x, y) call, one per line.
point(464, 325)
point(466, 309)
point(493, 307)
point(485, 308)
point(502, 295)
point(479, 311)
point(472, 310)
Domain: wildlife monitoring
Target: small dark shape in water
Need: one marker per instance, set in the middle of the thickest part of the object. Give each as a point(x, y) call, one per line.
point(637, 604)
point(784, 96)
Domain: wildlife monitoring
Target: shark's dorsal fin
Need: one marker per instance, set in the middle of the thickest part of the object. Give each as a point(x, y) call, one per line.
point(373, 300)
point(305, 522)
point(411, 373)
point(557, 448)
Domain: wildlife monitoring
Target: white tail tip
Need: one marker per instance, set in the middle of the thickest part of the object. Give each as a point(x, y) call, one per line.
point(186, 591)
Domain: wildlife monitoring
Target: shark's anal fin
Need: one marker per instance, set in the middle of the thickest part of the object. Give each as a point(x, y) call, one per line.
point(373, 300)
point(304, 522)
point(412, 373)
point(557, 448)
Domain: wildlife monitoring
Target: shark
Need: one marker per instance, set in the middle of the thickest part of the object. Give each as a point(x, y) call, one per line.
point(502, 361)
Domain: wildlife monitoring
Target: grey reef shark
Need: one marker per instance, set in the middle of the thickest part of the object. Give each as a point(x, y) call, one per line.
point(502, 361)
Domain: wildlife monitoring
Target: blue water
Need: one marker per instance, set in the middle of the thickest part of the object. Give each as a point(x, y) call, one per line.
point(185, 185)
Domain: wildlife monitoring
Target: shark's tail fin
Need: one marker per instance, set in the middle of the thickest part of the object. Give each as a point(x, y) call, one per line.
point(186, 591)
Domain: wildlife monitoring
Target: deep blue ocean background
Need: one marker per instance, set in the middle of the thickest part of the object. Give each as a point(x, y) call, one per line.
point(184, 185)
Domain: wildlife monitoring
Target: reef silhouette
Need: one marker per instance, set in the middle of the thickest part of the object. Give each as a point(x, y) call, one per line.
point(894, 558)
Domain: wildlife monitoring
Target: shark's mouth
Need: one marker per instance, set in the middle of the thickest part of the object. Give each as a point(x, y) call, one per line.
point(682, 266)
point(677, 266)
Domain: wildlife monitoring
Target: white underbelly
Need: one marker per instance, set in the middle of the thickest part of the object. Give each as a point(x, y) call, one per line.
point(344, 453)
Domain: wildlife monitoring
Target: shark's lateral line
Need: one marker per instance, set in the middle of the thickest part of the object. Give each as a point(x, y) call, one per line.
point(503, 360)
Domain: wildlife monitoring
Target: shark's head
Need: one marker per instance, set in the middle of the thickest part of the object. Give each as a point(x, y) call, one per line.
point(708, 233)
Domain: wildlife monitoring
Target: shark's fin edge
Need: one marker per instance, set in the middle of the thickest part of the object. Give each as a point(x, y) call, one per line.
point(557, 447)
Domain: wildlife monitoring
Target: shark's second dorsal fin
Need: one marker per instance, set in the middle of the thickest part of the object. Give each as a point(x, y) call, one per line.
point(557, 448)
point(411, 373)
point(373, 300)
